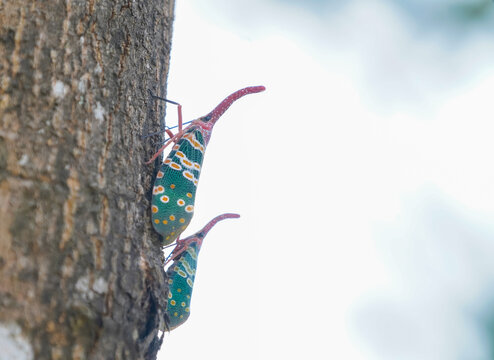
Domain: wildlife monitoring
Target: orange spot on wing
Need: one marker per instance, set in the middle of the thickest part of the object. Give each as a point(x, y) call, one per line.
point(175, 166)
point(158, 190)
point(188, 175)
point(164, 199)
point(198, 145)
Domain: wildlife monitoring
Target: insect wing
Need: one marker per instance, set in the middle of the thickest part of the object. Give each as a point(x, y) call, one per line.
point(176, 184)
point(181, 275)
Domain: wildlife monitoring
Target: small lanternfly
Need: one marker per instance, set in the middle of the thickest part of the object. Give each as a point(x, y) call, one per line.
point(182, 271)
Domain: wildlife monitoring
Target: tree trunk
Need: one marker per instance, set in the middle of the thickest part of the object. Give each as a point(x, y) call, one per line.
point(81, 273)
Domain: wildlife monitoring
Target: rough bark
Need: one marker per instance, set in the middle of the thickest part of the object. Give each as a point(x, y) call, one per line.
point(81, 273)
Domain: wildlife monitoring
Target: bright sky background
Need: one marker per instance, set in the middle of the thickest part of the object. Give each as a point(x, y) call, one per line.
point(363, 175)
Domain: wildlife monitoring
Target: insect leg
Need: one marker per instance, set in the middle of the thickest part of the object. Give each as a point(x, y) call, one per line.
point(179, 107)
point(182, 245)
point(168, 142)
point(173, 137)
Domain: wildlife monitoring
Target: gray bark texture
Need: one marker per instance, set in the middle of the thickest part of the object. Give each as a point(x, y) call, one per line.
point(81, 270)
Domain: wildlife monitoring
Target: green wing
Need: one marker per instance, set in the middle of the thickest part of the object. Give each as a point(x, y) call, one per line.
point(174, 190)
point(181, 275)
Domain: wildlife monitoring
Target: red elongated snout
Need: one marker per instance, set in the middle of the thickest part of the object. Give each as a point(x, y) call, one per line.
point(219, 110)
point(207, 122)
point(201, 234)
point(198, 237)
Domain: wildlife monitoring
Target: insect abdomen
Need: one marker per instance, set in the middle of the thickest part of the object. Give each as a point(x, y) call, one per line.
point(174, 190)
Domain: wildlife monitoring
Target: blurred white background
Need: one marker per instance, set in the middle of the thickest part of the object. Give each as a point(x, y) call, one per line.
point(363, 175)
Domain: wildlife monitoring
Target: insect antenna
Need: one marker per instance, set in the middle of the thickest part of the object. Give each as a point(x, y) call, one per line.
point(166, 129)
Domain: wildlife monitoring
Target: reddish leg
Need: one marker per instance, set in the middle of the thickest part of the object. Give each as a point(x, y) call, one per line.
point(179, 109)
point(182, 246)
point(168, 142)
point(173, 138)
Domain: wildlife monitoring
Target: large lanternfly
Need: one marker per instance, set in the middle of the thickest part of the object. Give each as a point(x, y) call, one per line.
point(176, 182)
point(181, 274)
